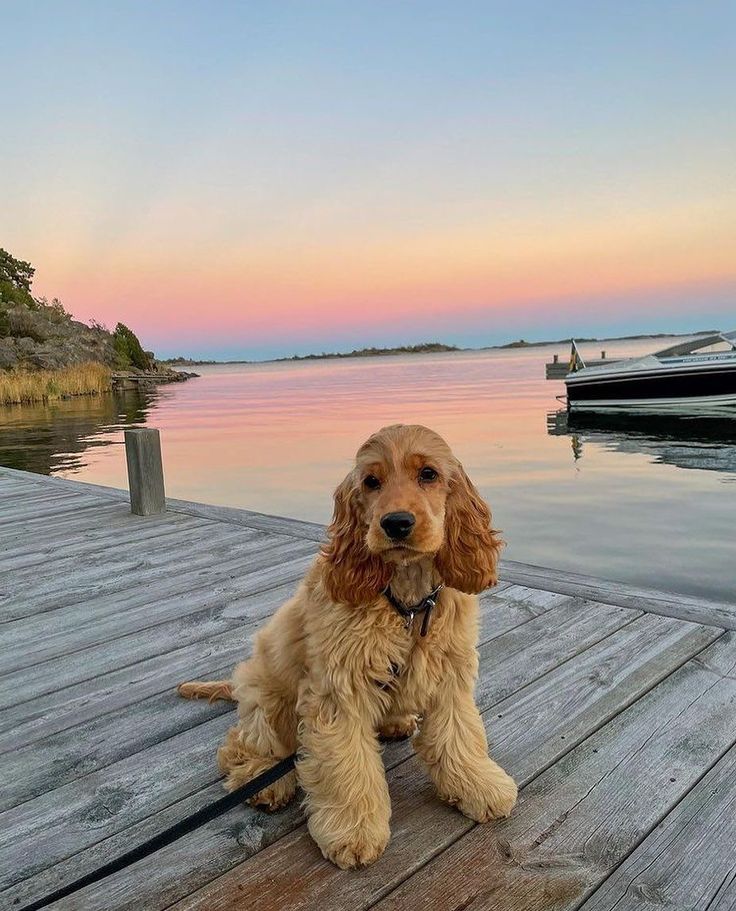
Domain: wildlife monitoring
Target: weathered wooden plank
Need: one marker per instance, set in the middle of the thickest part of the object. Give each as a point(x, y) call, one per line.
point(172, 573)
point(117, 533)
point(80, 813)
point(172, 543)
point(145, 569)
point(37, 498)
point(522, 594)
point(526, 652)
point(101, 742)
point(505, 608)
point(47, 482)
point(55, 711)
point(277, 524)
point(220, 845)
point(76, 751)
point(76, 625)
point(684, 607)
point(90, 542)
point(86, 518)
point(30, 485)
point(538, 725)
point(13, 496)
point(688, 861)
point(23, 479)
point(421, 826)
point(581, 818)
point(42, 512)
point(224, 611)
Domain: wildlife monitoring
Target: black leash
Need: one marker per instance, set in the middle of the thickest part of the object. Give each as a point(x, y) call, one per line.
point(173, 833)
point(425, 606)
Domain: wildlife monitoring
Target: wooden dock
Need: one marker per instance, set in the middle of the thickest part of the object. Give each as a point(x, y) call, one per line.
point(557, 369)
point(614, 708)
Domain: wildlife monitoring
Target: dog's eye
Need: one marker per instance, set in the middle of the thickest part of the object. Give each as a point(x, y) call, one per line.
point(371, 482)
point(427, 474)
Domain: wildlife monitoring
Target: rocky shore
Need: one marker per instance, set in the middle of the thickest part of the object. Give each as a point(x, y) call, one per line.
point(41, 336)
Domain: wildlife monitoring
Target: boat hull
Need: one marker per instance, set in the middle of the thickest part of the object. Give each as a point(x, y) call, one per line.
point(695, 389)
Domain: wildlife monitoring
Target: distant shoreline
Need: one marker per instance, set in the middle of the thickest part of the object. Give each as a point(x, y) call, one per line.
point(431, 348)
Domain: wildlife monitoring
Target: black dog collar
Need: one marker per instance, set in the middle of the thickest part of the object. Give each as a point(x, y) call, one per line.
point(408, 613)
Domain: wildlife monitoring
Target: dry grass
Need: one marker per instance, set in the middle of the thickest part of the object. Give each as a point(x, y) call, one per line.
point(22, 386)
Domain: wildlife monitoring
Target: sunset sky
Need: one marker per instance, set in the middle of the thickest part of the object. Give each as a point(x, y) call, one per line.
point(241, 179)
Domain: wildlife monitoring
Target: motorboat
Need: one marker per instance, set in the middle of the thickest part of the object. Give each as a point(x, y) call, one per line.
point(693, 375)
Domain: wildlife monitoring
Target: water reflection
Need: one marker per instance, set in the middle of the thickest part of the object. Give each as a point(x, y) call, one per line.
point(705, 441)
point(53, 437)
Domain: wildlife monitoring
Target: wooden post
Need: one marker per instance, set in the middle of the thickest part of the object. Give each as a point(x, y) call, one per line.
point(145, 472)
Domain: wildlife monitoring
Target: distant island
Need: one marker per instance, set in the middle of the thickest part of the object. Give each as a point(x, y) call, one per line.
point(433, 348)
point(422, 348)
point(582, 340)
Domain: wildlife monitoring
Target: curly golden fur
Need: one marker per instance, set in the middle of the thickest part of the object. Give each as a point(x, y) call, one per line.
point(322, 676)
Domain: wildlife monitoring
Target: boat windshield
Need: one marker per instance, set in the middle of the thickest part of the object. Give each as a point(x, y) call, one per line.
point(697, 344)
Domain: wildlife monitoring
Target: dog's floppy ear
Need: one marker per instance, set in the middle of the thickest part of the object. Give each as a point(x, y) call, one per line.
point(351, 573)
point(469, 555)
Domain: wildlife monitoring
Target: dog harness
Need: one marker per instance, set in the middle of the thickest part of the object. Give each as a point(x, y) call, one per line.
point(424, 606)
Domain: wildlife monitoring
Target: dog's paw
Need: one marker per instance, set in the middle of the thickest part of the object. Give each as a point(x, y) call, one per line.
point(272, 798)
point(398, 727)
point(494, 798)
point(346, 840)
point(360, 850)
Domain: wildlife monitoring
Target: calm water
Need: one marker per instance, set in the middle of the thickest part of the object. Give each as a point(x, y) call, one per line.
point(650, 502)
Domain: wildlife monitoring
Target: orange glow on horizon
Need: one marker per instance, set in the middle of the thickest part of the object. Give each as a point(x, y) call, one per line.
point(264, 290)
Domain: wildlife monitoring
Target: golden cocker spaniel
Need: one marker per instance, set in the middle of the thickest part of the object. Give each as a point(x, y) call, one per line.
point(379, 639)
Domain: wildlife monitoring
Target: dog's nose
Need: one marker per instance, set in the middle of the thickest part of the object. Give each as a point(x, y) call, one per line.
point(398, 525)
